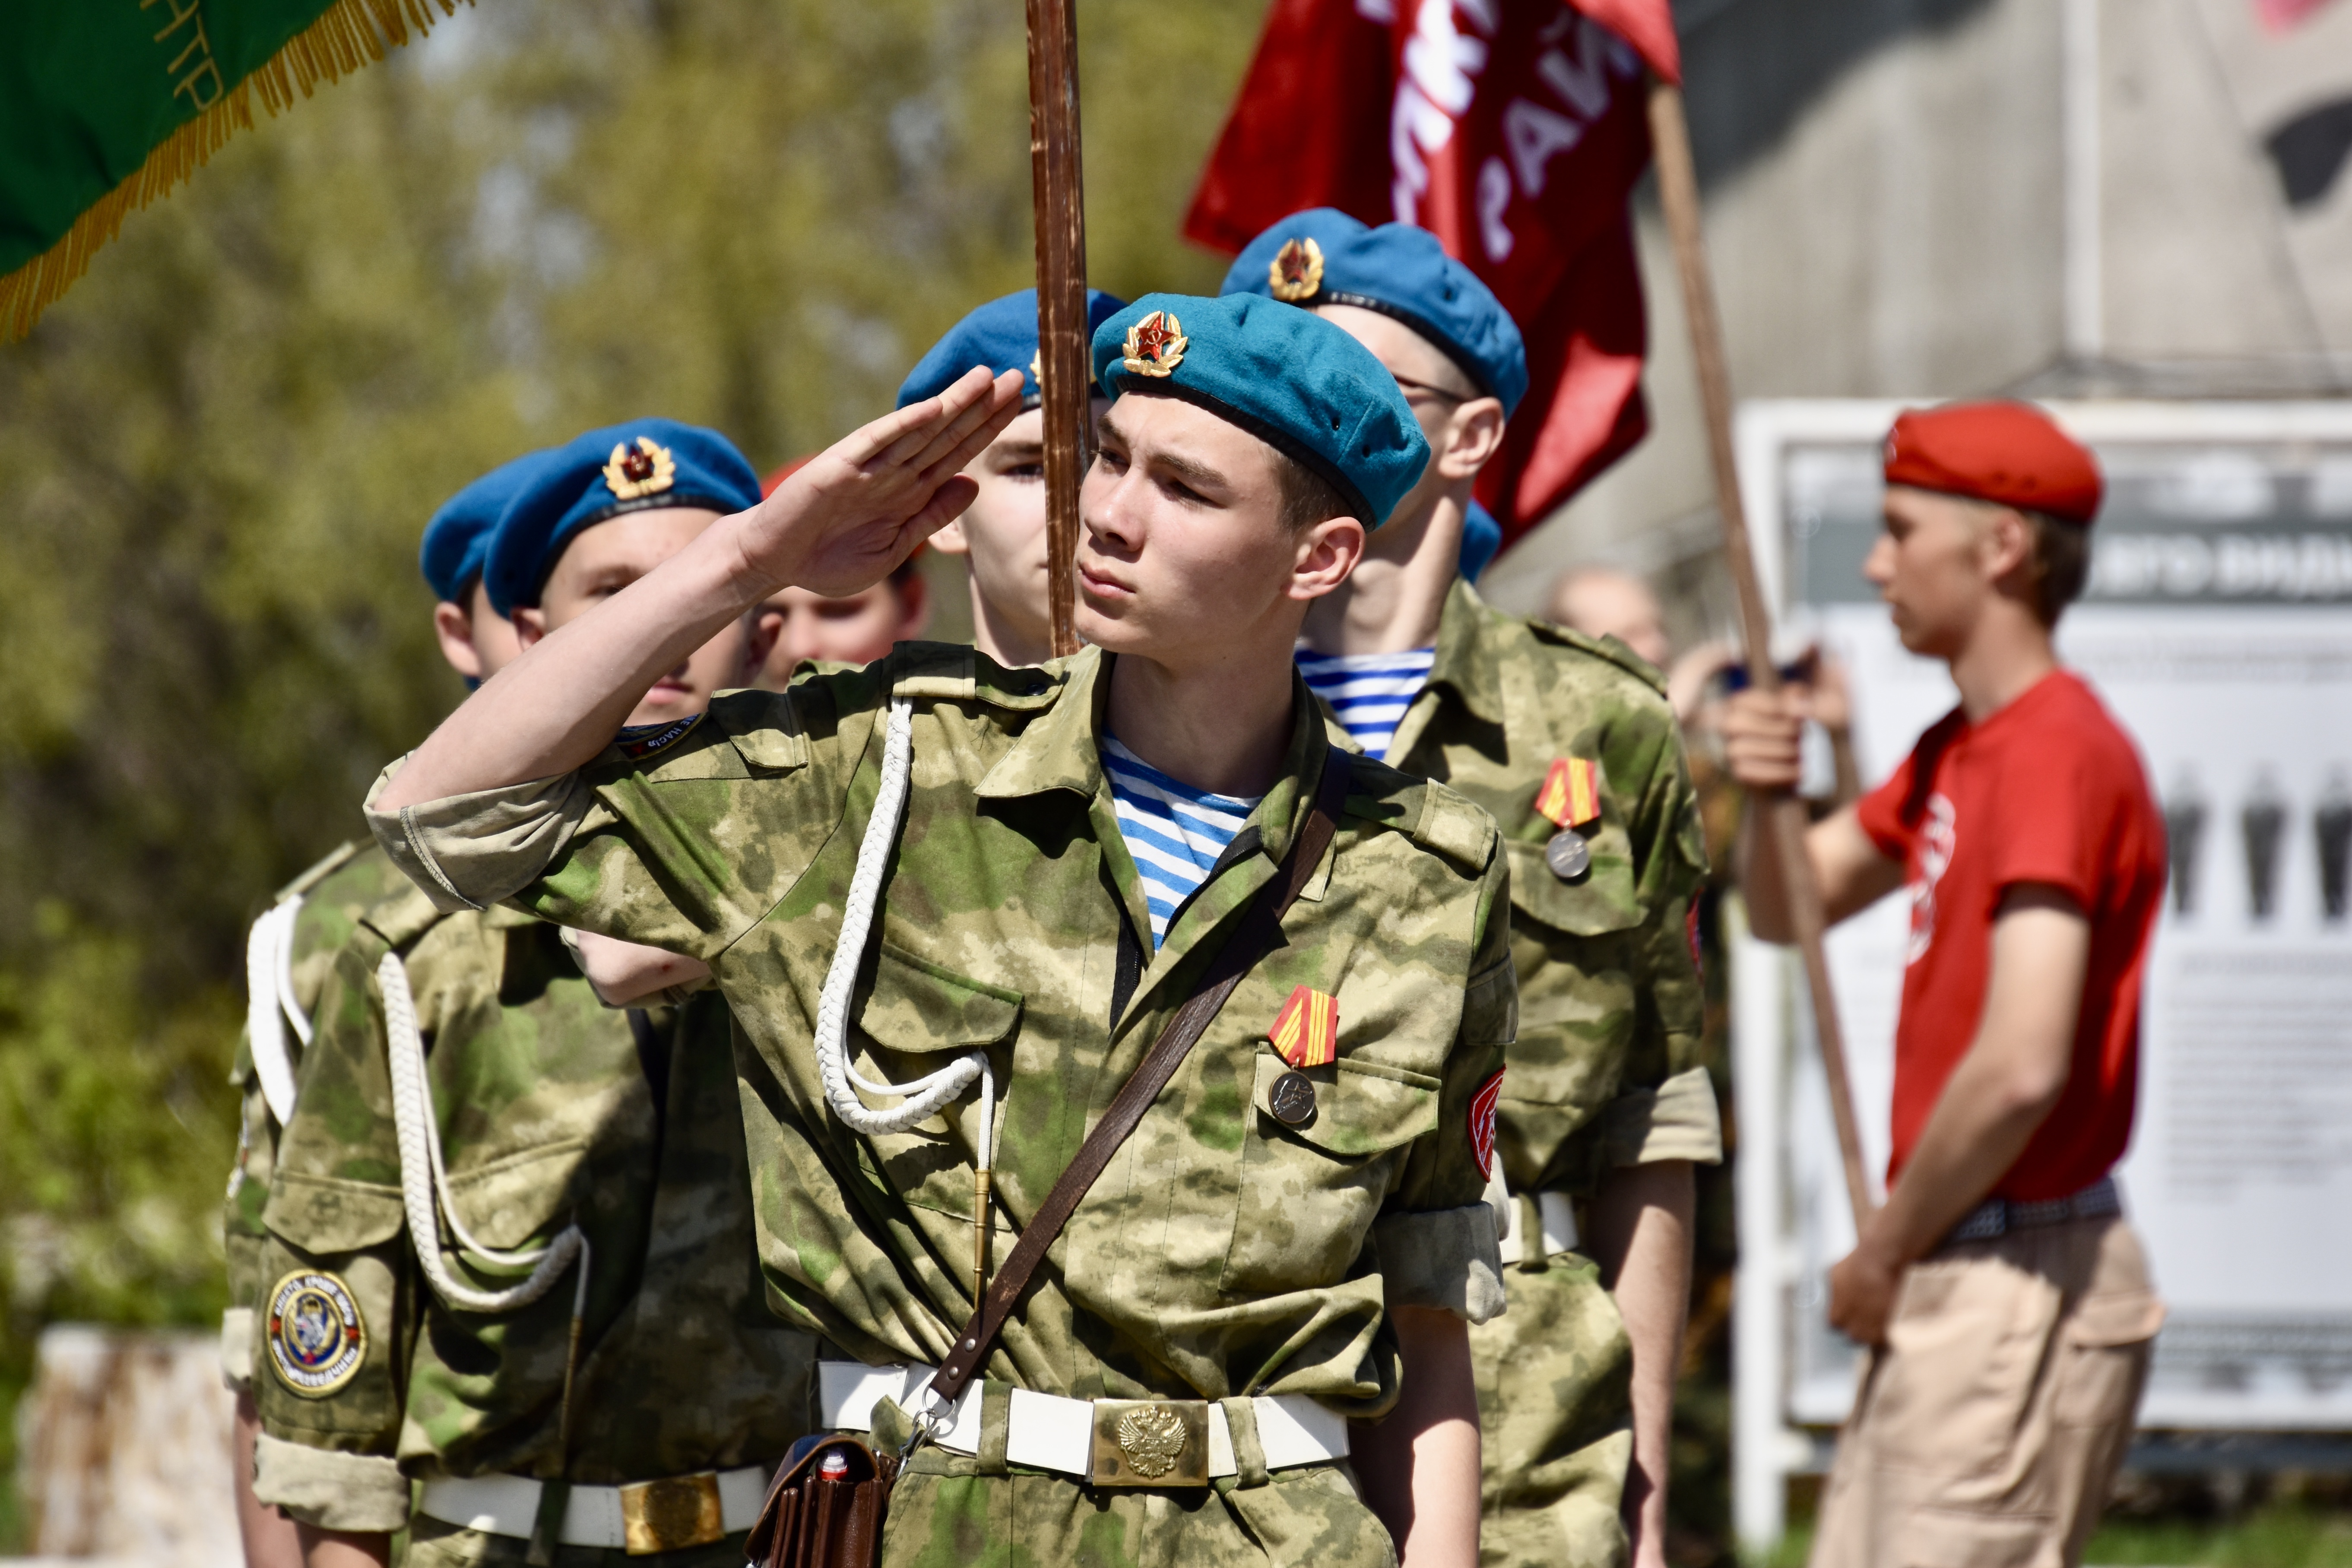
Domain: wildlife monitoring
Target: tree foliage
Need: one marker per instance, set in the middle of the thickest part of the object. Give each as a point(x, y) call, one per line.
point(218, 452)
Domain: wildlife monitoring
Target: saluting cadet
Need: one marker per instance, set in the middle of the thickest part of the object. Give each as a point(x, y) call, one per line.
point(288, 955)
point(508, 1255)
point(928, 888)
point(1569, 744)
point(1002, 534)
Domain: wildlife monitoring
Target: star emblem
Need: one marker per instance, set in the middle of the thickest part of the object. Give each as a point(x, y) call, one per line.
point(643, 469)
point(1155, 345)
point(1295, 273)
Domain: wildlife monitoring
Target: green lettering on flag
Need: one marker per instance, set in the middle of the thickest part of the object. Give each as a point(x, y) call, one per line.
point(105, 105)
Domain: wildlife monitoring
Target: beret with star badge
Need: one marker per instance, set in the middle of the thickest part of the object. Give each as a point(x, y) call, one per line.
point(637, 466)
point(1288, 377)
point(1323, 256)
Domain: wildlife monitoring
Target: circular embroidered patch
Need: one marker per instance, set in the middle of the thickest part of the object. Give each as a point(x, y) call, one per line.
point(317, 1340)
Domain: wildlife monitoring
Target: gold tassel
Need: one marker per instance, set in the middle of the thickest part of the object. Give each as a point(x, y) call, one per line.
point(350, 34)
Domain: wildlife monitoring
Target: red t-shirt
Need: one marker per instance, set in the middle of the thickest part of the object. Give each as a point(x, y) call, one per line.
point(2047, 790)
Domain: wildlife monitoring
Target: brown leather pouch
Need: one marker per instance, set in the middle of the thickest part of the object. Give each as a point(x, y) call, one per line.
point(826, 1508)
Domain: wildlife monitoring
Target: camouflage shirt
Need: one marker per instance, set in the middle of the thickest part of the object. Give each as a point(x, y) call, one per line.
point(1606, 1068)
point(335, 892)
point(551, 1110)
point(1221, 1253)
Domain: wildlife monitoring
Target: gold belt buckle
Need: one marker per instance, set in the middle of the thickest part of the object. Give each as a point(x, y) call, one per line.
point(1150, 1443)
point(671, 1515)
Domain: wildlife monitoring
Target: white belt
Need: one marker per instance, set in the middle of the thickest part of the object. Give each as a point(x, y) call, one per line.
point(1051, 1433)
point(633, 1517)
point(1556, 1215)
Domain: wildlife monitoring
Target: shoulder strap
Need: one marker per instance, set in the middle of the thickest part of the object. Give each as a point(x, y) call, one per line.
point(1260, 934)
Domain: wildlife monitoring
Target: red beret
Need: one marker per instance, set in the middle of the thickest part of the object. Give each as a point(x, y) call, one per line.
point(2006, 453)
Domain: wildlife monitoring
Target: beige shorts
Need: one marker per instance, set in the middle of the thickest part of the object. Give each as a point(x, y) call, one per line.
point(1990, 1425)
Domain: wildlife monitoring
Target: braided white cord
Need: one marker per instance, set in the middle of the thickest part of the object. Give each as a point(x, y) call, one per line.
point(926, 1095)
point(423, 1180)
point(270, 1003)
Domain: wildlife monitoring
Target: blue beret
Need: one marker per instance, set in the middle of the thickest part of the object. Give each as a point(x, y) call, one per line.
point(1482, 541)
point(637, 466)
point(1323, 256)
point(1001, 335)
point(458, 537)
point(1288, 377)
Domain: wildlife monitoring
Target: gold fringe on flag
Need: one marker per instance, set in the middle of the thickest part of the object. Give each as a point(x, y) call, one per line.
point(349, 34)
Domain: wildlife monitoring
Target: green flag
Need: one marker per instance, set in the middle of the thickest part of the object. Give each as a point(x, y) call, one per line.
point(105, 105)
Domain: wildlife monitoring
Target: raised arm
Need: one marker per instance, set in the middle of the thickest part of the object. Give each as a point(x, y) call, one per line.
point(841, 523)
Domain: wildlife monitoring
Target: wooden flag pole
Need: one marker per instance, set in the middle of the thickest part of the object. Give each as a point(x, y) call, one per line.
point(1783, 816)
point(1058, 199)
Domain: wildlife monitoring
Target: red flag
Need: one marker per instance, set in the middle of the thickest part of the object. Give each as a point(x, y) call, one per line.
point(1514, 130)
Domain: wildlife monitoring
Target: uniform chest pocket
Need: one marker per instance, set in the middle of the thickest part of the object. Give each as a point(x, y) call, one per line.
point(509, 1200)
point(925, 1012)
point(1308, 1193)
point(1602, 898)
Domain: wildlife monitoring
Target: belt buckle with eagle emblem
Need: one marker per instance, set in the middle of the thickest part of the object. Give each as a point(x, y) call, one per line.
point(1150, 1443)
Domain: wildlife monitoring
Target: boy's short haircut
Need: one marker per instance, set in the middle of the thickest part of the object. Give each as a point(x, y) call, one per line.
point(2062, 562)
point(1308, 497)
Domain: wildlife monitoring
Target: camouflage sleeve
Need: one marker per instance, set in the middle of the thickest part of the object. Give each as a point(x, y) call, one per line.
point(683, 848)
point(243, 1237)
point(334, 1316)
point(1665, 1108)
point(1436, 1241)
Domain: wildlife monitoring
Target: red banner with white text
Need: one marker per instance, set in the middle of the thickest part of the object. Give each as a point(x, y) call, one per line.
point(1514, 130)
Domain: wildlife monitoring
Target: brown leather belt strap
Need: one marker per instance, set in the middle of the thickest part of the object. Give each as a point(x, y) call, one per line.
point(1260, 934)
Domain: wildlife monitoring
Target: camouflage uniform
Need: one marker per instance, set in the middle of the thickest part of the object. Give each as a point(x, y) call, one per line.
point(1221, 1254)
point(335, 893)
point(1606, 1070)
point(551, 1110)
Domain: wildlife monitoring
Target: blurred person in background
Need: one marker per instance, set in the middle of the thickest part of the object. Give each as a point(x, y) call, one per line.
point(855, 630)
point(289, 953)
point(1568, 742)
point(582, 1364)
point(1001, 535)
point(2007, 1301)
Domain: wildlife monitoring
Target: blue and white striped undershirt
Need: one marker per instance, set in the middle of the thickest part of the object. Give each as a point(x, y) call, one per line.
point(1174, 832)
point(1369, 691)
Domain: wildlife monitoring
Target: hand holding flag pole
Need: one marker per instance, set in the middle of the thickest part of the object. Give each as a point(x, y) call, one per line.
point(1783, 816)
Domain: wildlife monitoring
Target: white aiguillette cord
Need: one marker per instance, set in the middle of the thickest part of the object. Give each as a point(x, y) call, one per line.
point(269, 1005)
point(425, 1181)
point(925, 1096)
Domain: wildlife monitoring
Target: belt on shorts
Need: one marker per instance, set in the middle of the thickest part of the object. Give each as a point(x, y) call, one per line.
point(641, 1518)
point(1998, 1216)
point(1105, 1442)
point(1556, 1224)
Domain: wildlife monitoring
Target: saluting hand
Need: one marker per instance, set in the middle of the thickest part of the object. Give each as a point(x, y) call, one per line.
point(850, 515)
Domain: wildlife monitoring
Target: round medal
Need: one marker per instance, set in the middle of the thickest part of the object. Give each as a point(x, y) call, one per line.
point(317, 1340)
point(1568, 855)
point(1291, 1100)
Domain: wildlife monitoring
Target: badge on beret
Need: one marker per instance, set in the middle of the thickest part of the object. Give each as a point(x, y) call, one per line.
point(645, 469)
point(1306, 1030)
point(317, 1340)
point(1482, 1124)
point(1155, 345)
point(1296, 272)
